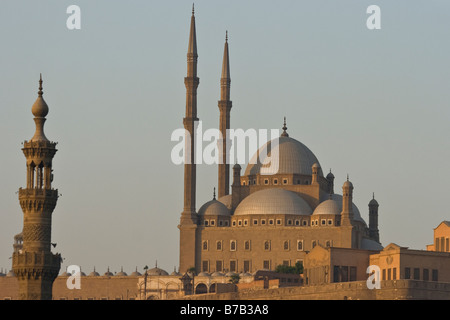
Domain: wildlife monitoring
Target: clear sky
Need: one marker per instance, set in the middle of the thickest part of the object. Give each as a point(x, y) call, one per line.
point(370, 103)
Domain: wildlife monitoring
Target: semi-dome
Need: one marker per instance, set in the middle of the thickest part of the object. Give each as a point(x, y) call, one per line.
point(203, 274)
point(214, 208)
point(289, 156)
point(328, 207)
point(338, 199)
point(273, 201)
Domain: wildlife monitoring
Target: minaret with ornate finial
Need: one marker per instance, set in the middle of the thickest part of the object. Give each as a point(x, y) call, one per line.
point(188, 220)
point(35, 266)
point(225, 105)
point(373, 219)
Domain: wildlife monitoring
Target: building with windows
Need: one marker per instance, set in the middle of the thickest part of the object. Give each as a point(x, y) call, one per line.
point(441, 238)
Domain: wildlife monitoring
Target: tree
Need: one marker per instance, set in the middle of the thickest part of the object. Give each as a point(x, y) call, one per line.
point(297, 269)
point(234, 279)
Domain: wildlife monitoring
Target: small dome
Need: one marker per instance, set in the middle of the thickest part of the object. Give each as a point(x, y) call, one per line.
point(348, 184)
point(217, 274)
point(373, 202)
point(245, 274)
point(203, 274)
point(338, 199)
point(11, 274)
point(135, 273)
point(108, 273)
point(175, 273)
point(237, 167)
point(94, 274)
point(65, 274)
point(315, 165)
point(157, 272)
point(328, 207)
point(121, 273)
point(330, 176)
point(213, 208)
point(273, 201)
point(230, 274)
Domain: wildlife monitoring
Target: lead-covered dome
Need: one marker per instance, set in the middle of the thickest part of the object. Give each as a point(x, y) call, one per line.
point(289, 156)
point(273, 201)
point(214, 208)
point(337, 198)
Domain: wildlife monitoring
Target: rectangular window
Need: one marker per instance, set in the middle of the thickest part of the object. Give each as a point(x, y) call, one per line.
point(278, 221)
point(384, 275)
point(263, 222)
point(246, 266)
point(352, 273)
point(426, 275)
point(205, 266)
point(266, 181)
point(436, 244)
point(394, 274)
point(286, 263)
point(447, 249)
point(213, 222)
point(255, 222)
point(266, 264)
point(416, 274)
point(323, 222)
point(442, 244)
point(407, 273)
point(233, 266)
point(434, 275)
point(336, 274)
point(271, 221)
point(389, 274)
point(344, 273)
point(219, 266)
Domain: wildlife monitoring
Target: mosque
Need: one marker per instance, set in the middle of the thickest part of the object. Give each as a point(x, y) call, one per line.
point(271, 217)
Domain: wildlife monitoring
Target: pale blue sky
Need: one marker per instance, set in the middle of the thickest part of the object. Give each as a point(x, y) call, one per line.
point(373, 104)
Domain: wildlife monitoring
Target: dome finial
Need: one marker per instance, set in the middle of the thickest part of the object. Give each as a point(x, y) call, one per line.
point(214, 194)
point(373, 195)
point(192, 8)
point(347, 176)
point(40, 92)
point(284, 134)
point(226, 36)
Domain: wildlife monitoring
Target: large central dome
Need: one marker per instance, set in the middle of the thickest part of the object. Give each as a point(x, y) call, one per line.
point(289, 156)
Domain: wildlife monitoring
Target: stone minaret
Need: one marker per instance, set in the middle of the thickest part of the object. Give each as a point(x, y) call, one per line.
point(225, 108)
point(373, 220)
point(347, 203)
point(188, 221)
point(35, 266)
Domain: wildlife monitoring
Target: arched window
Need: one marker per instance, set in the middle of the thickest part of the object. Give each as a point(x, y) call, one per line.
point(205, 245)
point(219, 245)
point(247, 245)
point(286, 245)
point(267, 245)
point(300, 245)
point(233, 245)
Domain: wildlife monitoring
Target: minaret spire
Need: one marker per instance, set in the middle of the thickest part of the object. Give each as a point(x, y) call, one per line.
point(188, 220)
point(225, 105)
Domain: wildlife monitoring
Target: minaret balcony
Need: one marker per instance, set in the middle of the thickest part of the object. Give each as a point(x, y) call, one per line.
point(38, 193)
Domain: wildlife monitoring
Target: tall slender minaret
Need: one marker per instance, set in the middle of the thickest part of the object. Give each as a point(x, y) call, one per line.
point(225, 108)
point(35, 266)
point(188, 220)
